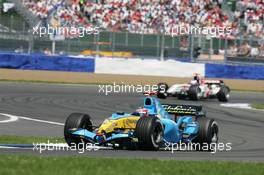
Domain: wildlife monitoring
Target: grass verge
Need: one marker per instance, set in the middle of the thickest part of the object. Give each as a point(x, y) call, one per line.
point(258, 106)
point(9, 139)
point(31, 165)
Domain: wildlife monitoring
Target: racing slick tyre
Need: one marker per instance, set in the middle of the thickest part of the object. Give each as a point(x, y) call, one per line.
point(223, 94)
point(74, 121)
point(149, 131)
point(194, 92)
point(207, 137)
point(162, 89)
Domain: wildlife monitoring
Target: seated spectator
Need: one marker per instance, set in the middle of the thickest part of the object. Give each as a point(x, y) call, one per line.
point(47, 51)
point(19, 50)
point(261, 51)
point(232, 51)
point(244, 50)
point(254, 52)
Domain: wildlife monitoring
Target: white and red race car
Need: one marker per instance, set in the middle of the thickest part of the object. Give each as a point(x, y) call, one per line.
point(196, 89)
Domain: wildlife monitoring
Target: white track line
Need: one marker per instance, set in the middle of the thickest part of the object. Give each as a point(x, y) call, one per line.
point(41, 121)
point(53, 147)
point(13, 118)
point(237, 105)
point(240, 106)
point(9, 147)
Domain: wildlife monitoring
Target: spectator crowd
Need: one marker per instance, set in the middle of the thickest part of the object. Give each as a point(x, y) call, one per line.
point(149, 16)
point(245, 50)
point(250, 14)
point(156, 16)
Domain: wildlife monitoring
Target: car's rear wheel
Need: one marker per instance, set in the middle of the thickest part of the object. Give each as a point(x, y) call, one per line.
point(194, 92)
point(149, 131)
point(207, 134)
point(223, 94)
point(75, 121)
point(162, 90)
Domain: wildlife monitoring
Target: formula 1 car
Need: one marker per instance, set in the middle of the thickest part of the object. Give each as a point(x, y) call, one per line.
point(148, 128)
point(196, 90)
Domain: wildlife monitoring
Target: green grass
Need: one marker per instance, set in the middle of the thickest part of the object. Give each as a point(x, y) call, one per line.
point(258, 106)
point(32, 165)
point(6, 139)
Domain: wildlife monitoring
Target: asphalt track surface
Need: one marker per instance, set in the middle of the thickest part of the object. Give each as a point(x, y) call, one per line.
point(243, 128)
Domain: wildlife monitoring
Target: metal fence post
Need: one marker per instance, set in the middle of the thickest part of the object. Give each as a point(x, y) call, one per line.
point(172, 41)
point(211, 51)
point(158, 44)
point(250, 43)
point(68, 46)
point(53, 46)
point(30, 43)
point(192, 40)
point(162, 48)
point(142, 40)
point(126, 39)
point(113, 43)
point(96, 39)
point(225, 54)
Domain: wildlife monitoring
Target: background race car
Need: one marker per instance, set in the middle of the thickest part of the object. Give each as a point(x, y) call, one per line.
point(148, 128)
point(196, 90)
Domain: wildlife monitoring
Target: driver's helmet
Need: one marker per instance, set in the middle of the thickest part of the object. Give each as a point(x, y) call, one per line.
point(142, 112)
point(193, 82)
point(197, 78)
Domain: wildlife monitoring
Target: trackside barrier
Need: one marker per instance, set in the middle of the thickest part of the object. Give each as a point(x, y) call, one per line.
point(43, 62)
point(170, 68)
point(133, 66)
point(253, 72)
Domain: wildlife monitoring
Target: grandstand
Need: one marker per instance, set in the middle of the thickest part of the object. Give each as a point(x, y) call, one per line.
point(144, 27)
point(151, 16)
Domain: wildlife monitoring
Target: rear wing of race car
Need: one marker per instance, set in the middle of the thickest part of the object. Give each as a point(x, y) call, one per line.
point(213, 81)
point(184, 109)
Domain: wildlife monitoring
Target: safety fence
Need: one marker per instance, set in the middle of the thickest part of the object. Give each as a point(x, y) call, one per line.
point(152, 67)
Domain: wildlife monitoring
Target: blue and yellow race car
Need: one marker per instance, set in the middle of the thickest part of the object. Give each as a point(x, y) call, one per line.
point(148, 128)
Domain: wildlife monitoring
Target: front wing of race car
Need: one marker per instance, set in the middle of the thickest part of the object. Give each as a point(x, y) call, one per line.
point(100, 138)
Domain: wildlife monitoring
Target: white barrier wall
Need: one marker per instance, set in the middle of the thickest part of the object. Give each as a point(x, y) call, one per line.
point(133, 66)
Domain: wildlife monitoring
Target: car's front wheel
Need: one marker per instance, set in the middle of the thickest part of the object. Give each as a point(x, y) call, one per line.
point(76, 121)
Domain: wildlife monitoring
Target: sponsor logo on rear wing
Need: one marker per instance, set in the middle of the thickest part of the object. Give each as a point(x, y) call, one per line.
point(182, 109)
point(213, 81)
